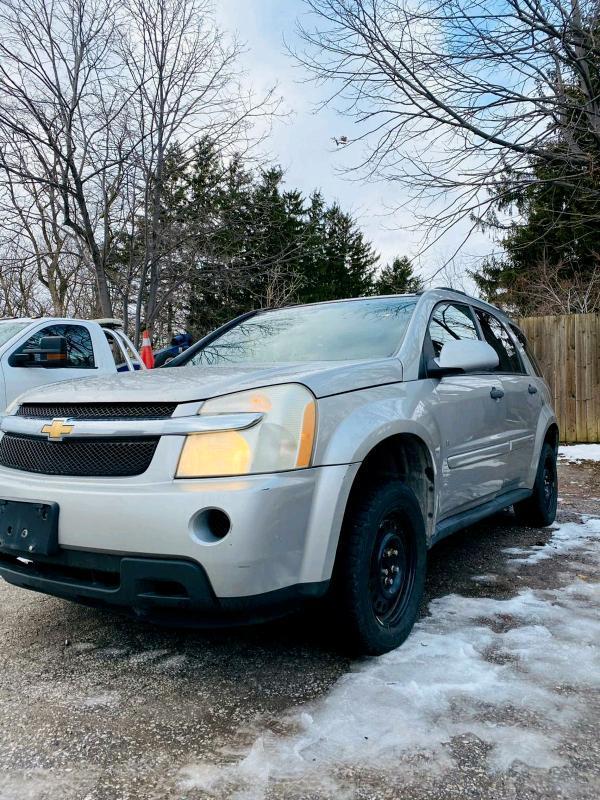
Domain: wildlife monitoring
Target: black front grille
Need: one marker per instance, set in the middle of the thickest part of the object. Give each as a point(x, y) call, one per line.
point(96, 410)
point(78, 457)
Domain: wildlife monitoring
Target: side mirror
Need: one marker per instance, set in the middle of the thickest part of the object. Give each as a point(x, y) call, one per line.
point(462, 356)
point(52, 353)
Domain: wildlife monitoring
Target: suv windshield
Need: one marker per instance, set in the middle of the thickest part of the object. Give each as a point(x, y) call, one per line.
point(10, 328)
point(346, 330)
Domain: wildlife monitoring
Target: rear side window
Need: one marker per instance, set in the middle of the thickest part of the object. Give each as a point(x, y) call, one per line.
point(449, 323)
point(522, 339)
point(496, 335)
point(80, 352)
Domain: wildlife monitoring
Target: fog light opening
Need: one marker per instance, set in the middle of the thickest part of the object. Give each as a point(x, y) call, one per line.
point(218, 522)
point(210, 525)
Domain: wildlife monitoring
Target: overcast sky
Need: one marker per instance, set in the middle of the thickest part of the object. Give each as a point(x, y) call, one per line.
point(303, 142)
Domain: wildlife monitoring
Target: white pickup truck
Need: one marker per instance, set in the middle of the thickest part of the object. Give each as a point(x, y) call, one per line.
point(36, 352)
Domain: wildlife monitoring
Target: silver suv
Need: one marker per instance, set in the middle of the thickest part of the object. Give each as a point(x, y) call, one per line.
point(310, 452)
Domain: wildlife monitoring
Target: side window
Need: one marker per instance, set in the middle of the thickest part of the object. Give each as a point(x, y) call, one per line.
point(522, 339)
point(449, 322)
point(496, 335)
point(80, 352)
point(115, 350)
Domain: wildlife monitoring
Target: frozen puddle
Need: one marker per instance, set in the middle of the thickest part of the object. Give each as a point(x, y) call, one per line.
point(511, 673)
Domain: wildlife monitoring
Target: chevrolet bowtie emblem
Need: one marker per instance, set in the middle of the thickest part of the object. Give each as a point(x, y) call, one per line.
point(57, 430)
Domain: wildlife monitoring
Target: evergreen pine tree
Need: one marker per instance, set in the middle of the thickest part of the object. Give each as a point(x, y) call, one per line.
point(398, 278)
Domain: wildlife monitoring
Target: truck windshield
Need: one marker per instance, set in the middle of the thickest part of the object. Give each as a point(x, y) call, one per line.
point(346, 330)
point(10, 328)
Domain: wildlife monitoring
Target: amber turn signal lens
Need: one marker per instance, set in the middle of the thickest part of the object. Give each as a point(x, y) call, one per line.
point(307, 435)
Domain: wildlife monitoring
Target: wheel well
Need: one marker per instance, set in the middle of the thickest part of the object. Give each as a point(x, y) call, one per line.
point(404, 457)
point(552, 436)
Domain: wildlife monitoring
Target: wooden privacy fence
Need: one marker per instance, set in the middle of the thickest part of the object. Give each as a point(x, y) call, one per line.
point(568, 349)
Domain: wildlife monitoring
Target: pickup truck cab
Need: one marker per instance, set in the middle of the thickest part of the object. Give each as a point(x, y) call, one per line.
point(91, 348)
point(310, 452)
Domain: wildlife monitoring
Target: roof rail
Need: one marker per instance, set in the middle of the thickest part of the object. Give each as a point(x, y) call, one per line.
point(450, 289)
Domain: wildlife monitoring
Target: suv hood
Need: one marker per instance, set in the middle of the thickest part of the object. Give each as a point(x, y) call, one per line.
point(185, 384)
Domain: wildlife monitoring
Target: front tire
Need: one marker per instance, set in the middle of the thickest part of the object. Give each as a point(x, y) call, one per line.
point(380, 568)
point(539, 510)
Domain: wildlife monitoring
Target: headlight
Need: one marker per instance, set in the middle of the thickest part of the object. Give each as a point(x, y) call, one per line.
point(282, 440)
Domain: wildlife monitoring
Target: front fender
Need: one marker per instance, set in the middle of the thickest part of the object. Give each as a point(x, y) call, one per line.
point(351, 425)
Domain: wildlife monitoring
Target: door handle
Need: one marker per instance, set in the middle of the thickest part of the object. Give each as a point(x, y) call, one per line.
point(496, 394)
point(532, 389)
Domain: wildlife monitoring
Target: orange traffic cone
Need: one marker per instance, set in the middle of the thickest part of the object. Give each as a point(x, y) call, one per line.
point(146, 351)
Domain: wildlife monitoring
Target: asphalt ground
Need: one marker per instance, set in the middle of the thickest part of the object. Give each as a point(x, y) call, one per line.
point(99, 707)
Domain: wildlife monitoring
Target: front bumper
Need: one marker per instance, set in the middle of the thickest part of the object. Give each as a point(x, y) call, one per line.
point(153, 589)
point(283, 535)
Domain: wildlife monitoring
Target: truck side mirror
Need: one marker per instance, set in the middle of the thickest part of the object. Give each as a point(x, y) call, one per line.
point(52, 353)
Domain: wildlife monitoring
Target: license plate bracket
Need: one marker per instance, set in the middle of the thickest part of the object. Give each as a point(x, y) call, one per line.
point(28, 528)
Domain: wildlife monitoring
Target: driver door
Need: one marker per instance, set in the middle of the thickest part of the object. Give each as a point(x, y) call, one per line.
point(470, 415)
point(80, 355)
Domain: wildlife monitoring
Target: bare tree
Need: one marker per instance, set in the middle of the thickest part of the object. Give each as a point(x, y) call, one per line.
point(20, 294)
point(187, 76)
point(34, 240)
point(61, 100)
point(449, 94)
point(93, 93)
point(555, 289)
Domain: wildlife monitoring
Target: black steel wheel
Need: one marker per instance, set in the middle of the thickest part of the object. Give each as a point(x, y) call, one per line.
point(539, 510)
point(393, 566)
point(380, 568)
point(550, 483)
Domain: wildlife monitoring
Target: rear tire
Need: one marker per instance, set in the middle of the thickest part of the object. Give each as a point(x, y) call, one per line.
point(539, 510)
point(380, 569)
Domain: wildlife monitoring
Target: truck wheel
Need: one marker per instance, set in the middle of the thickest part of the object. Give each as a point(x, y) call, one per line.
point(380, 569)
point(539, 510)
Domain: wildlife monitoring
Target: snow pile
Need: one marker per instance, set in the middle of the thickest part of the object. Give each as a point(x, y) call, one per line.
point(493, 669)
point(576, 453)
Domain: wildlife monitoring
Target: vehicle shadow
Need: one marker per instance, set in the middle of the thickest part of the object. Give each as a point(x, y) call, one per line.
point(453, 564)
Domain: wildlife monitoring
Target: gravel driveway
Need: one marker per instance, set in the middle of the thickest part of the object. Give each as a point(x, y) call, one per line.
point(495, 695)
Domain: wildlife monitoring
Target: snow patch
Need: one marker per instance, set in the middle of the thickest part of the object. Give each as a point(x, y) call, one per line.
point(487, 580)
point(83, 647)
point(567, 538)
point(147, 656)
point(576, 453)
point(173, 663)
point(493, 669)
point(105, 699)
